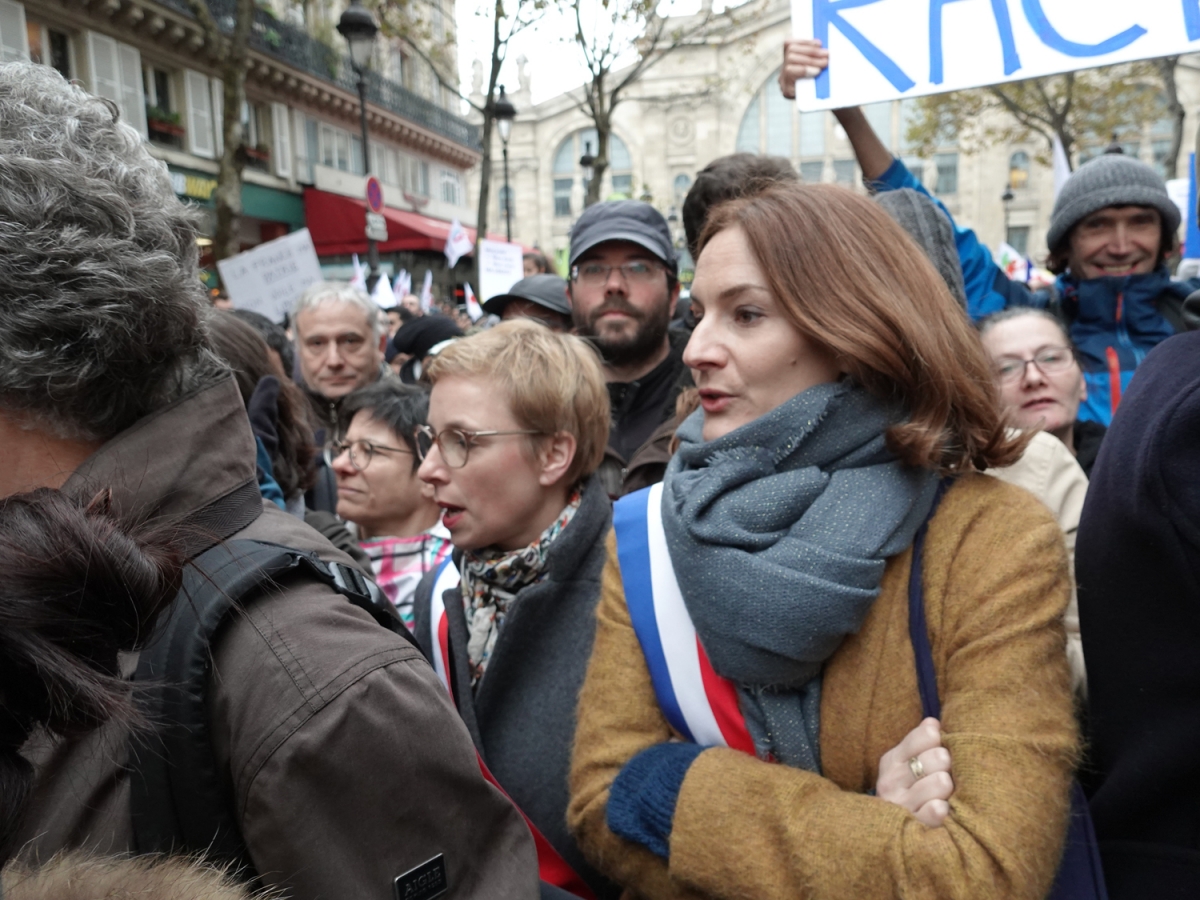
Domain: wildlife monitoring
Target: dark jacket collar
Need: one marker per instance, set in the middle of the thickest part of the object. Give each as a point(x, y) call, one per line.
point(174, 461)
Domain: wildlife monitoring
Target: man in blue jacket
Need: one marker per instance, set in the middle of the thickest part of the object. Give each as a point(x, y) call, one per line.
point(1111, 230)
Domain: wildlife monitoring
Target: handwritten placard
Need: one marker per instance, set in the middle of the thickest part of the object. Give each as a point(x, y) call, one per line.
point(500, 267)
point(892, 49)
point(270, 278)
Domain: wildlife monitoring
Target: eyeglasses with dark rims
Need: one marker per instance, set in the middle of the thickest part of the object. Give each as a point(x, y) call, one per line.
point(1050, 360)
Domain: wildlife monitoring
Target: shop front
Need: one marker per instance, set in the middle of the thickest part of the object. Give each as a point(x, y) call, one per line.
point(267, 213)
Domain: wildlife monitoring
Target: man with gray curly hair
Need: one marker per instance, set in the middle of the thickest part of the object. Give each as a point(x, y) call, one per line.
point(344, 761)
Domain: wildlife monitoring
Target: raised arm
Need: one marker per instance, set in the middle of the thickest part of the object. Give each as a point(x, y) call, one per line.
point(988, 289)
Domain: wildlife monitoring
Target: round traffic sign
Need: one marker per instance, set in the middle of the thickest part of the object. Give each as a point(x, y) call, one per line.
point(374, 194)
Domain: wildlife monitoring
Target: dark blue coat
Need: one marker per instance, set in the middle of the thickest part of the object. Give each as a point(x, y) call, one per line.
point(1137, 562)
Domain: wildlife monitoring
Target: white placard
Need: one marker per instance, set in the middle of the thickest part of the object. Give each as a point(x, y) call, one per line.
point(893, 49)
point(500, 267)
point(270, 278)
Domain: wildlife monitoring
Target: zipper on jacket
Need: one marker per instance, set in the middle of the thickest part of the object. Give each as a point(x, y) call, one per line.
point(1114, 377)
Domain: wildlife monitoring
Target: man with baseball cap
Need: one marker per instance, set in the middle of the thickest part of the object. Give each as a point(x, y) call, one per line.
point(541, 297)
point(1112, 228)
point(623, 291)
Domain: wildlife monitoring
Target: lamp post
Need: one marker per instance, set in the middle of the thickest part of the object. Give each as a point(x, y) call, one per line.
point(586, 163)
point(1006, 198)
point(358, 27)
point(504, 112)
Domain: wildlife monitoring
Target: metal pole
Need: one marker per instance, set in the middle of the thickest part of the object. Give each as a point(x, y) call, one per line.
point(507, 198)
point(372, 246)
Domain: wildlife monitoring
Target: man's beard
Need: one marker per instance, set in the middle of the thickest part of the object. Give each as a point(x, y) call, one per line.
point(647, 339)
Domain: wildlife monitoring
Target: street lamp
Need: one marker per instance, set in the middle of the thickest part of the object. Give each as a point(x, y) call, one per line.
point(1006, 198)
point(504, 112)
point(587, 163)
point(358, 27)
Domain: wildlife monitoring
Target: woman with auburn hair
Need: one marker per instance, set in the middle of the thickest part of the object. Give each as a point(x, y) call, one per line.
point(751, 723)
point(518, 422)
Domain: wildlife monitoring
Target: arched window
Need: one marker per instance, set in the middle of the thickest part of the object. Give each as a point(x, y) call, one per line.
point(567, 174)
point(682, 183)
point(771, 125)
point(1018, 170)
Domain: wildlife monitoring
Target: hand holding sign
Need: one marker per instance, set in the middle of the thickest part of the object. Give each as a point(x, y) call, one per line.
point(802, 58)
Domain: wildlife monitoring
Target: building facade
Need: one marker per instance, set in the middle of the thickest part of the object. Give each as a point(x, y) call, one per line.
point(301, 117)
point(719, 94)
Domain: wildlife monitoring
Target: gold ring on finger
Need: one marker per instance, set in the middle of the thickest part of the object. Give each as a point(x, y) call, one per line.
point(917, 768)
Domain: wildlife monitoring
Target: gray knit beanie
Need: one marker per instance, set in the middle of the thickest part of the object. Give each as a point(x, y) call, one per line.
point(929, 227)
point(1112, 179)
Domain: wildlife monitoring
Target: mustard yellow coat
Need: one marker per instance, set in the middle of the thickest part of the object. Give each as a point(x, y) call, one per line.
point(996, 586)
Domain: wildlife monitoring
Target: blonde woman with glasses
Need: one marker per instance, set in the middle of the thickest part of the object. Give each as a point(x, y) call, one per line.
point(518, 422)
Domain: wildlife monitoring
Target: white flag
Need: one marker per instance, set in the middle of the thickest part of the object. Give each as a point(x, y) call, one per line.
point(427, 292)
point(1062, 168)
point(358, 279)
point(382, 295)
point(401, 287)
point(474, 310)
point(458, 243)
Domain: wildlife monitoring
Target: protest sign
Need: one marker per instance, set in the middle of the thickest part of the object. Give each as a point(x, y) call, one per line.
point(892, 49)
point(500, 267)
point(270, 278)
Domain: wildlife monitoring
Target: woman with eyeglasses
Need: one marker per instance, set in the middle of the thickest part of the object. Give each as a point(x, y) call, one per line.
point(1040, 379)
point(518, 422)
point(823, 569)
point(398, 524)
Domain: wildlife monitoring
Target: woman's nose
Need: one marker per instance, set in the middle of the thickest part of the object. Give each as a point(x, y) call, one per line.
point(702, 347)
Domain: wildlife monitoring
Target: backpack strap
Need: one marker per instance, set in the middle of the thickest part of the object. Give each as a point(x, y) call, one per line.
point(1080, 875)
point(918, 630)
point(180, 801)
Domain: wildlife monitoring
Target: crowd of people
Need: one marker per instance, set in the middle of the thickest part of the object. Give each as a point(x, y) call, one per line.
point(787, 594)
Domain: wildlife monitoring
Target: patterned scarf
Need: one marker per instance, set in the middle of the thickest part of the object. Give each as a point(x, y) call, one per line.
point(491, 580)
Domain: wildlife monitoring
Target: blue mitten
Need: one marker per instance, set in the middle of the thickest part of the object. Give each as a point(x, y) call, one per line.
point(641, 802)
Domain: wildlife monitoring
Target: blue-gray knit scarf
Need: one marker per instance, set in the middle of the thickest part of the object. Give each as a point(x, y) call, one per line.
point(778, 533)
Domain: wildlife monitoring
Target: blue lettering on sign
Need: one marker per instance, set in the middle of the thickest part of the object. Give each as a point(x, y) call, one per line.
point(1008, 44)
point(1191, 19)
point(826, 13)
point(1055, 41)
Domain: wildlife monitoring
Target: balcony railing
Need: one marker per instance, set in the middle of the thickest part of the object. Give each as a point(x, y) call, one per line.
point(296, 48)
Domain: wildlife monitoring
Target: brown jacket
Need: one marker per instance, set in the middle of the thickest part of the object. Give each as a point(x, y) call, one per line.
point(996, 584)
point(346, 760)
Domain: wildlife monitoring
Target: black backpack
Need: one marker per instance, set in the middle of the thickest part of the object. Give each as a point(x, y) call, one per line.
point(179, 801)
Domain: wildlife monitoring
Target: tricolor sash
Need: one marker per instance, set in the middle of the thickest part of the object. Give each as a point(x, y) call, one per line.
point(552, 868)
point(447, 578)
point(699, 704)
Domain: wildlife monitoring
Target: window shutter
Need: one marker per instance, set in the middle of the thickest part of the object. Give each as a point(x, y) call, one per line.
point(105, 70)
point(218, 114)
point(281, 132)
point(300, 142)
point(133, 96)
point(14, 41)
point(199, 114)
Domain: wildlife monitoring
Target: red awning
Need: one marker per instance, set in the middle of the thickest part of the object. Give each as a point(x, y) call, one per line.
point(336, 224)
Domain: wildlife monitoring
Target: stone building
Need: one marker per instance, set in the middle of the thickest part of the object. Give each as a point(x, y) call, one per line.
point(718, 95)
point(301, 117)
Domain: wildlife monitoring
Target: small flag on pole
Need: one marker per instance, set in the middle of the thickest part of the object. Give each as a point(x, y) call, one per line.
point(474, 310)
point(1062, 168)
point(382, 295)
point(427, 292)
point(458, 243)
point(401, 287)
point(358, 279)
